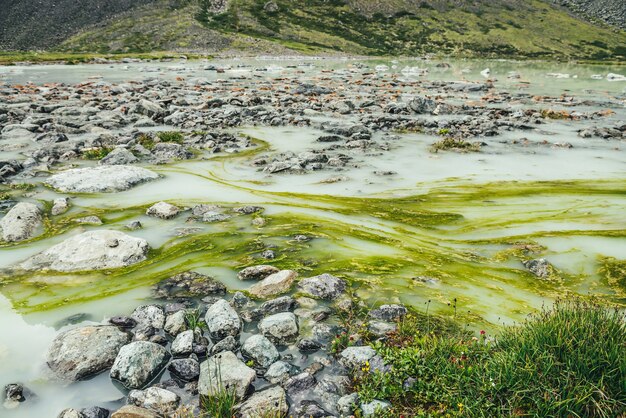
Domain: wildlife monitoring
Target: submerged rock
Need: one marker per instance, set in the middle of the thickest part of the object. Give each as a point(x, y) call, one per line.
point(20, 222)
point(259, 272)
point(260, 350)
point(163, 210)
point(93, 250)
point(85, 351)
point(188, 284)
point(108, 178)
point(539, 267)
point(281, 327)
point(225, 370)
point(138, 363)
point(222, 320)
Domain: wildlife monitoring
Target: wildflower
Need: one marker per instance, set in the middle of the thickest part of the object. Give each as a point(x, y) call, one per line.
point(482, 332)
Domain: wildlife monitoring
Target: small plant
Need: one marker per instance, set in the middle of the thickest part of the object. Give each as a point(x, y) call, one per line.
point(555, 114)
point(221, 400)
point(146, 141)
point(341, 342)
point(171, 136)
point(443, 131)
point(96, 153)
point(194, 320)
point(453, 144)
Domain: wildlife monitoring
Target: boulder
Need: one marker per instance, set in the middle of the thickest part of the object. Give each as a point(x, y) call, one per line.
point(138, 363)
point(388, 312)
point(274, 284)
point(188, 284)
point(151, 315)
point(119, 156)
point(279, 372)
point(261, 350)
point(222, 320)
point(183, 343)
point(82, 352)
point(92, 250)
point(21, 222)
point(175, 323)
point(106, 178)
point(281, 327)
point(163, 210)
point(225, 371)
point(60, 206)
point(186, 369)
point(94, 412)
point(157, 399)
point(132, 411)
point(268, 402)
point(324, 286)
point(257, 272)
point(354, 357)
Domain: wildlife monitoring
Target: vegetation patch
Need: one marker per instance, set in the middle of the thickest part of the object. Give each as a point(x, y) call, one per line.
point(453, 144)
point(171, 136)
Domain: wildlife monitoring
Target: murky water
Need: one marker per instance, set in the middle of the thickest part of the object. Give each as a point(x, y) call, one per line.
point(445, 226)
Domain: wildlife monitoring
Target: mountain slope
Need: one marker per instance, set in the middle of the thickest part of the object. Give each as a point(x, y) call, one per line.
point(510, 28)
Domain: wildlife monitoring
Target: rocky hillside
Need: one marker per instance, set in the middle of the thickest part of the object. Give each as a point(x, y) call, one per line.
point(534, 28)
point(610, 12)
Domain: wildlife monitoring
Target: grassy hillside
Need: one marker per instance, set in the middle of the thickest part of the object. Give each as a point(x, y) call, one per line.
point(511, 28)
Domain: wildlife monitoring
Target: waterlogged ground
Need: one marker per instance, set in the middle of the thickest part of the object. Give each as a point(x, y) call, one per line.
point(443, 231)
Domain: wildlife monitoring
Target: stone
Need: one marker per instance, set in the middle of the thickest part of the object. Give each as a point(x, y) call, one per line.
point(222, 320)
point(324, 286)
point(151, 315)
point(183, 344)
point(186, 369)
point(388, 312)
point(132, 411)
point(310, 409)
point(274, 284)
point(89, 220)
point(94, 412)
point(163, 210)
point(259, 272)
point(21, 222)
point(101, 179)
point(280, 327)
point(248, 210)
point(92, 250)
point(374, 408)
point(308, 346)
point(60, 206)
point(214, 216)
point(380, 328)
point(261, 350)
point(175, 323)
point(268, 402)
point(122, 321)
point(188, 284)
point(279, 372)
point(357, 356)
point(347, 404)
point(69, 413)
point(157, 399)
point(138, 363)
point(119, 156)
point(227, 344)
point(539, 267)
point(150, 109)
point(300, 383)
point(225, 371)
point(83, 352)
point(171, 151)
point(280, 304)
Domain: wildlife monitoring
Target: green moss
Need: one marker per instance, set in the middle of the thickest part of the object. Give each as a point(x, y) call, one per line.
point(453, 144)
point(171, 136)
point(96, 153)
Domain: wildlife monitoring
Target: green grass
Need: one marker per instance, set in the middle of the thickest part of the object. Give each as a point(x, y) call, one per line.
point(194, 321)
point(171, 136)
point(453, 144)
point(7, 58)
point(566, 361)
point(96, 153)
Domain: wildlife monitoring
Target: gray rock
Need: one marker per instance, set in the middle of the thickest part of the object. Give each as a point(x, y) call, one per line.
point(374, 408)
point(60, 206)
point(539, 267)
point(261, 350)
point(281, 327)
point(388, 312)
point(280, 304)
point(274, 284)
point(310, 409)
point(355, 357)
point(279, 372)
point(227, 344)
point(422, 105)
point(69, 413)
point(92, 250)
point(268, 401)
point(119, 156)
point(89, 220)
point(138, 363)
point(157, 399)
point(188, 284)
point(132, 411)
point(134, 225)
point(150, 109)
point(380, 328)
point(151, 315)
point(222, 320)
point(175, 323)
point(259, 272)
point(21, 222)
point(94, 412)
point(347, 404)
point(324, 286)
point(225, 371)
point(300, 383)
point(163, 210)
point(108, 178)
point(214, 216)
point(82, 352)
point(169, 151)
point(183, 343)
point(187, 369)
